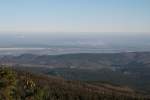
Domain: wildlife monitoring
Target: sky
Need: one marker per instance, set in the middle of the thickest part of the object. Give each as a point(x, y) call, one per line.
point(74, 16)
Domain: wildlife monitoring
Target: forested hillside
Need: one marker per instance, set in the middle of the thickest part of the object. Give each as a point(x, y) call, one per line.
point(129, 68)
point(21, 85)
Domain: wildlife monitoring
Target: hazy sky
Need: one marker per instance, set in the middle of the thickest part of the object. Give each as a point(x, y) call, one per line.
point(74, 15)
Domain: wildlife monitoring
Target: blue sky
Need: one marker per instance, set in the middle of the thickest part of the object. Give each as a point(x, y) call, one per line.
point(74, 16)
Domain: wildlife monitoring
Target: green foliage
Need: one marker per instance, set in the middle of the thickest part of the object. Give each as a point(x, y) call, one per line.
point(16, 85)
point(8, 83)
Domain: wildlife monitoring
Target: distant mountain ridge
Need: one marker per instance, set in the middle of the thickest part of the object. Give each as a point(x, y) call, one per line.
point(80, 60)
